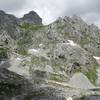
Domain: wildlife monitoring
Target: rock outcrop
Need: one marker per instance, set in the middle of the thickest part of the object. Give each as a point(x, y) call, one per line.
point(31, 18)
point(8, 23)
point(12, 84)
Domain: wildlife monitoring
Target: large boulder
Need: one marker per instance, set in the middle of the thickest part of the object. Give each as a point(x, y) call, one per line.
point(12, 84)
point(79, 80)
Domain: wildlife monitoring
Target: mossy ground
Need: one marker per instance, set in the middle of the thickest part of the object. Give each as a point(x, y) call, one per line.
point(57, 77)
point(22, 50)
point(92, 75)
point(3, 53)
point(9, 89)
point(31, 27)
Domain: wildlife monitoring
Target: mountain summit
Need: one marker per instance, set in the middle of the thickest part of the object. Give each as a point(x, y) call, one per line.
point(31, 18)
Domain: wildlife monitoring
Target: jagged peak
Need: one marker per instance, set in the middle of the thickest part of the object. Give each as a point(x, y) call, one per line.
point(73, 18)
point(32, 13)
point(32, 18)
point(2, 12)
point(11, 16)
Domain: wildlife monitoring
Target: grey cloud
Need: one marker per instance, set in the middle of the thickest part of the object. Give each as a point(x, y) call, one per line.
point(87, 9)
point(82, 6)
point(12, 5)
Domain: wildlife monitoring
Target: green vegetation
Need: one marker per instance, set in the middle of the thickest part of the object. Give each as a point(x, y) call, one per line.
point(37, 94)
point(25, 40)
point(22, 50)
point(55, 78)
point(8, 88)
point(66, 34)
point(3, 53)
point(91, 75)
point(31, 26)
point(86, 39)
point(61, 27)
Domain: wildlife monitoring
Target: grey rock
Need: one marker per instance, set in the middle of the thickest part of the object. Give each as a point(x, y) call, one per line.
point(31, 18)
point(39, 76)
point(45, 93)
point(4, 64)
point(79, 80)
point(9, 24)
point(12, 84)
point(90, 97)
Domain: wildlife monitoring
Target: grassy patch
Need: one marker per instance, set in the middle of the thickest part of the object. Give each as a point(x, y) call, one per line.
point(3, 53)
point(91, 75)
point(31, 27)
point(22, 50)
point(66, 34)
point(56, 78)
point(25, 40)
point(85, 40)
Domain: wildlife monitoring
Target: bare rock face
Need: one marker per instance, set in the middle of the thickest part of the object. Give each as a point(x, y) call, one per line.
point(81, 81)
point(31, 18)
point(8, 23)
point(12, 84)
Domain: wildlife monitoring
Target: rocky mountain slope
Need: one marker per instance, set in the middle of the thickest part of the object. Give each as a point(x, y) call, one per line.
point(59, 61)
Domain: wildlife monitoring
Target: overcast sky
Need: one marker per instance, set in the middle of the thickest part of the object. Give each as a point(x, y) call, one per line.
point(49, 10)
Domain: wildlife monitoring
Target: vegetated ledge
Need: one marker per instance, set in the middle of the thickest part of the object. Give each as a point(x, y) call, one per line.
point(32, 27)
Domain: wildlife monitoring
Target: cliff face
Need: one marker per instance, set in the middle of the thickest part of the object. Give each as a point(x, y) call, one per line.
point(59, 61)
point(9, 23)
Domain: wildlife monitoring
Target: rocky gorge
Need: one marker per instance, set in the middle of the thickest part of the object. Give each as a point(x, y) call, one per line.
point(59, 61)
